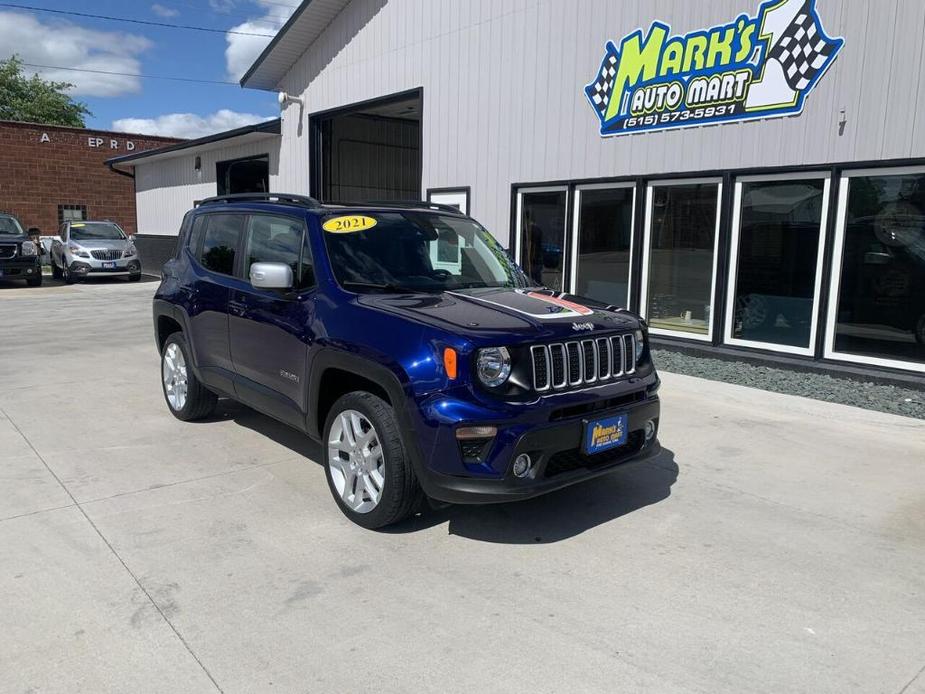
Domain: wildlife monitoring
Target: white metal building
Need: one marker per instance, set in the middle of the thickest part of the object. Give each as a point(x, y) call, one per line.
point(749, 176)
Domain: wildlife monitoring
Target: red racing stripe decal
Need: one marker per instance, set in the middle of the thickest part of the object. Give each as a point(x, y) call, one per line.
point(578, 308)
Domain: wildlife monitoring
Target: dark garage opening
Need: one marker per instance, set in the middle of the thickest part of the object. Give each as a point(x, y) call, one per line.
point(249, 175)
point(371, 151)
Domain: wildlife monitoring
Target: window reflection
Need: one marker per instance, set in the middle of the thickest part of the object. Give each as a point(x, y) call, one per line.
point(682, 236)
point(881, 298)
point(542, 247)
point(775, 281)
point(605, 221)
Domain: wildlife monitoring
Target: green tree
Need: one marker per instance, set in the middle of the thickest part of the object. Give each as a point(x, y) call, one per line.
point(34, 100)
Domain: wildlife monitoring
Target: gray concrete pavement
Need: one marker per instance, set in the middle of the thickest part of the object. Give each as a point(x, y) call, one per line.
point(778, 545)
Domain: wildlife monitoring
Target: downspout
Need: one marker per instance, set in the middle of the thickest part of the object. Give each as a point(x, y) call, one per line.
point(112, 167)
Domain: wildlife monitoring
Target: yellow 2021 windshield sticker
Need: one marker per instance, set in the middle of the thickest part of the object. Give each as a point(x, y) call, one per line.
point(349, 224)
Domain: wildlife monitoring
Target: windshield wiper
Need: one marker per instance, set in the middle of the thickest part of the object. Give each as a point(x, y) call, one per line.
point(386, 287)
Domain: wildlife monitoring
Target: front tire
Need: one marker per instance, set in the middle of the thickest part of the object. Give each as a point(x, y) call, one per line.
point(55, 270)
point(134, 278)
point(187, 399)
point(66, 274)
point(368, 471)
point(35, 281)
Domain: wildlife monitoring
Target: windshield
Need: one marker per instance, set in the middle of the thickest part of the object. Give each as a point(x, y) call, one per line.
point(416, 251)
point(106, 231)
point(9, 226)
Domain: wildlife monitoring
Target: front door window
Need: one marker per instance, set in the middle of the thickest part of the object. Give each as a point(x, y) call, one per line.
point(877, 313)
point(678, 276)
point(542, 236)
point(604, 218)
point(775, 267)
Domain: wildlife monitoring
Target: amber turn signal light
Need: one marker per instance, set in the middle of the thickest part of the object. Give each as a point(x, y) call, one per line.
point(449, 362)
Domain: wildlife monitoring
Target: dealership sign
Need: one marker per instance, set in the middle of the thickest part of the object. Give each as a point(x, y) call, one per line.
point(754, 67)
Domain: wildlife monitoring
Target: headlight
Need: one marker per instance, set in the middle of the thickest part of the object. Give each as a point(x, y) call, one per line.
point(128, 252)
point(28, 248)
point(78, 251)
point(640, 340)
point(493, 366)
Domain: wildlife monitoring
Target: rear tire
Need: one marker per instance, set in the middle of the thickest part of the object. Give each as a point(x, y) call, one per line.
point(399, 493)
point(187, 399)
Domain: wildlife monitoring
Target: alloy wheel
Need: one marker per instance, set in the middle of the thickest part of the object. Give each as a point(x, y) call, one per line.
point(176, 382)
point(356, 461)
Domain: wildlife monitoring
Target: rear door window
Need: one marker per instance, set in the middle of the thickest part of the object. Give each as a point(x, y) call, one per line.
point(221, 241)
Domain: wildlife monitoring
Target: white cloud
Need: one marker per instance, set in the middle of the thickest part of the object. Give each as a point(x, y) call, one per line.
point(65, 44)
point(223, 6)
point(187, 125)
point(164, 11)
point(242, 51)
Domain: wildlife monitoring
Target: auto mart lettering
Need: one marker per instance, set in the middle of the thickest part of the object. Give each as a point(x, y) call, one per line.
point(754, 67)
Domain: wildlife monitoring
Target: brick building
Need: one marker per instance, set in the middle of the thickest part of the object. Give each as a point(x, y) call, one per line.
point(50, 173)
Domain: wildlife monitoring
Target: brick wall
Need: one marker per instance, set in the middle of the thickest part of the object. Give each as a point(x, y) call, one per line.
point(43, 166)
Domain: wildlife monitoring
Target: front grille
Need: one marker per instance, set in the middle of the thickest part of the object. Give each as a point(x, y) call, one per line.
point(582, 362)
point(7, 250)
point(573, 459)
point(107, 254)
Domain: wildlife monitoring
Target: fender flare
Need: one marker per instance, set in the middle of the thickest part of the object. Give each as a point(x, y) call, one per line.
point(381, 375)
point(178, 315)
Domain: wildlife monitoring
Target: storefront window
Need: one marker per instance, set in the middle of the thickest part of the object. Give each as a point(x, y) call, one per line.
point(776, 254)
point(880, 252)
point(542, 236)
point(605, 232)
point(680, 253)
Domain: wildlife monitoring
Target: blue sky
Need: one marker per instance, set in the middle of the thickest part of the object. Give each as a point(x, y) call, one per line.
point(150, 105)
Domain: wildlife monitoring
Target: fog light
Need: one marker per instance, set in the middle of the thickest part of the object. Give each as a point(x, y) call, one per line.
point(649, 429)
point(522, 465)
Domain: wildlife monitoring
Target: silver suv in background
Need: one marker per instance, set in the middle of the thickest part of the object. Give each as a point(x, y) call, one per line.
point(94, 249)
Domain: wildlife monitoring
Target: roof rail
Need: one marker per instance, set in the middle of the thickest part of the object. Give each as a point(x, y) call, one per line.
point(414, 204)
point(280, 198)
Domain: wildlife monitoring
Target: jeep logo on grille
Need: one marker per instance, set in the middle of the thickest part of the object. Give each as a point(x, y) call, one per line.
point(582, 326)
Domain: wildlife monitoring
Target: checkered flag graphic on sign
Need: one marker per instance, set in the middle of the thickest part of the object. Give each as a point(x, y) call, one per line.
point(803, 49)
point(602, 89)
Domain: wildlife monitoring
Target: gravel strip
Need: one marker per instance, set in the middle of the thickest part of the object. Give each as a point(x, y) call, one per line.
point(870, 396)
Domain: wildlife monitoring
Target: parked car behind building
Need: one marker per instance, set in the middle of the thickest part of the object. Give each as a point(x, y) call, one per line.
point(20, 257)
point(94, 249)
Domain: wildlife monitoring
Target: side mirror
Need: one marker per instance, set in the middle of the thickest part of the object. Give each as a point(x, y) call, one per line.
point(271, 276)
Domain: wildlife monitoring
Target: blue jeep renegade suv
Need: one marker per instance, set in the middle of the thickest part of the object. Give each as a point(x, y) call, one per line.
point(404, 338)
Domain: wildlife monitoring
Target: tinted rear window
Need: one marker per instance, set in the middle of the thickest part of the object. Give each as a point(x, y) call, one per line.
point(221, 241)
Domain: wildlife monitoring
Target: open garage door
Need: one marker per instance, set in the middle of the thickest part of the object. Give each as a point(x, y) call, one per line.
point(370, 151)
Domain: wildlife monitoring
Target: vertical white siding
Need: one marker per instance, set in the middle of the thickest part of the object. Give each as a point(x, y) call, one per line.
point(165, 189)
point(503, 91)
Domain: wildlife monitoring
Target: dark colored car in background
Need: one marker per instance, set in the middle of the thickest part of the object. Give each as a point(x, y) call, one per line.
point(20, 256)
point(405, 340)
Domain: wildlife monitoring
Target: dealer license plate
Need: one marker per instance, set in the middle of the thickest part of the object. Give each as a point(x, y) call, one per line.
point(604, 434)
point(109, 266)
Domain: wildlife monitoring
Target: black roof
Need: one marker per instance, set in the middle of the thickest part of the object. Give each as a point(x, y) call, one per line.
point(312, 204)
point(271, 126)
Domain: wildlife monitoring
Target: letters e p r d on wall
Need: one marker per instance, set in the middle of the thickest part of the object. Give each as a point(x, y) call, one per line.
point(754, 67)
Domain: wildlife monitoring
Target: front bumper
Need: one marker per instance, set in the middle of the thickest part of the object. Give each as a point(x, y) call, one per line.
point(84, 267)
point(20, 268)
point(554, 445)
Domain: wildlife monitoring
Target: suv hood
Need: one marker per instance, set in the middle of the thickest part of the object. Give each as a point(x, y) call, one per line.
point(103, 244)
point(531, 314)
